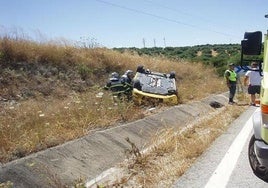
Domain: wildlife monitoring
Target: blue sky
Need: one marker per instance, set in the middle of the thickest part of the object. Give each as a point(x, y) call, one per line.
point(134, 23)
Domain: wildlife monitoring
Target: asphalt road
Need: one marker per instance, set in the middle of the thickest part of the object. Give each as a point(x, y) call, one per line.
point(225, 163)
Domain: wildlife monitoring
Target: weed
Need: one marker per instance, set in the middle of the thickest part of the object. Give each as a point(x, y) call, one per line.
point(84, 71)
point(7, 184)
point(56, 89)
point(177, 150)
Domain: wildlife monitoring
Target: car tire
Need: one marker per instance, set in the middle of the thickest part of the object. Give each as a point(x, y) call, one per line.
point(172, 74)
point(140, 69)
point(137, 85)
point(171, 92)
point(260, 171)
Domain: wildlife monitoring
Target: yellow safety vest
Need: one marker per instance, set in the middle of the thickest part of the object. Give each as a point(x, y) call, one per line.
point(232, 76)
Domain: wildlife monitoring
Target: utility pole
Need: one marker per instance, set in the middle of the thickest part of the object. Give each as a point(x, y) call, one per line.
point(164, 42)
point(154, 43)
point(143, 40)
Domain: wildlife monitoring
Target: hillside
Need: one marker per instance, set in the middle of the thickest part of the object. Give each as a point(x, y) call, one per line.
point(47, 89)
point(216, 55)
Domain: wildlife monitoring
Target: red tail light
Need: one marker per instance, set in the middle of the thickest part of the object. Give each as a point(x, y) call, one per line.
point(264, 109)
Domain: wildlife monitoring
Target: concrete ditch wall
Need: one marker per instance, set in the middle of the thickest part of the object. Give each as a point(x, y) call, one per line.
point(89, 156)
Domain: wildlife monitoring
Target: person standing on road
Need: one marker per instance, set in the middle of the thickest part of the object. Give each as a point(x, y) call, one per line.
point(231, 79)
point(253, 81)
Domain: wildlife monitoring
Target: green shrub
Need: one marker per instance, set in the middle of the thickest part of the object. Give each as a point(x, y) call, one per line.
point(84, 71)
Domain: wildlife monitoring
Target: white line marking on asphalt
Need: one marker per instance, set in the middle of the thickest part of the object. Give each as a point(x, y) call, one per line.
point(221, 175)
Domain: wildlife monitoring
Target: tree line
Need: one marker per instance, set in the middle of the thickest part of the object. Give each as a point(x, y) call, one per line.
point(216, 55)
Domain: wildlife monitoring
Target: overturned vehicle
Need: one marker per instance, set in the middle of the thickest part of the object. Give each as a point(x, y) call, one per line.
point(154, 87)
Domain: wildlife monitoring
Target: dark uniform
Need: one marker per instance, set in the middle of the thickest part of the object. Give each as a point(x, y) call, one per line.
point(118, 86)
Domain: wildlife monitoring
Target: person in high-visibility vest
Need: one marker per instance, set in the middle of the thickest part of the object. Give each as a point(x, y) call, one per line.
point(231, 79)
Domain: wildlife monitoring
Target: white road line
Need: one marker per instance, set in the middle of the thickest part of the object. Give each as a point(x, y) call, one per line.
point(221, 175)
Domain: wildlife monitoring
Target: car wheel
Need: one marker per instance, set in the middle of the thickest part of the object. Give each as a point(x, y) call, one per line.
point(137, 85)
point(140, 69)
point(172, 92)
point(172, 74)
point(258, 170)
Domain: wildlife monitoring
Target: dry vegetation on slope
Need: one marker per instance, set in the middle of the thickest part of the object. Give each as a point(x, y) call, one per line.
point(172, 152)
point(49, 92)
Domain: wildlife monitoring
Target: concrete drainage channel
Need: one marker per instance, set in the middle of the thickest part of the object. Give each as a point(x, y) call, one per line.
point(98, 152)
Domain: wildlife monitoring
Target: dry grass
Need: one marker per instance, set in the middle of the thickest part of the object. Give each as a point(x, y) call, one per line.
point(174, 151)
point(32, 125)
point(50, 92)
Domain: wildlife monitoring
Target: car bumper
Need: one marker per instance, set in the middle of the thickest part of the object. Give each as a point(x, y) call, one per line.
point(140, 96)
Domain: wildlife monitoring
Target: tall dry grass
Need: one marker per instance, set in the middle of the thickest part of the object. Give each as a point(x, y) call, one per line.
point(52, 92)
point(172, 152)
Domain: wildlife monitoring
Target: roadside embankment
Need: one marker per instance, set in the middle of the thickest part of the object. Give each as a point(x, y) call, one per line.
point(89, 156)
